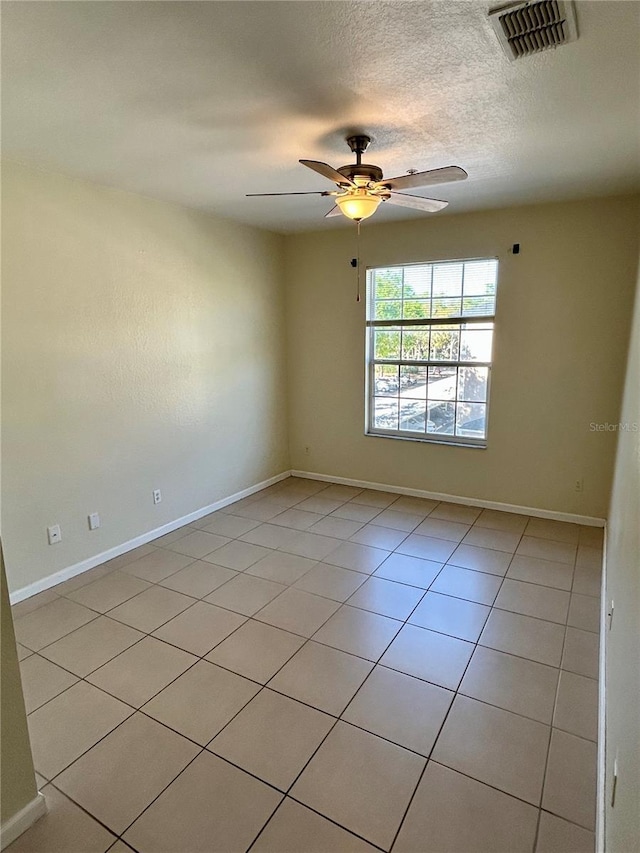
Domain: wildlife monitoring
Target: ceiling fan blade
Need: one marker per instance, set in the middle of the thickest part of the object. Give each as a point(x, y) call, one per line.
point(417, 202)
point(327, 172)
point(425, 179)
point(335, 211)
point(314, 192)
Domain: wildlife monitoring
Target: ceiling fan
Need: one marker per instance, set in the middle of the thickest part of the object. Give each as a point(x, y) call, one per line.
point(361, 187)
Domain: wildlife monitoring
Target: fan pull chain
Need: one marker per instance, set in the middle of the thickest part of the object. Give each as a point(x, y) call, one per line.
point(358, 263)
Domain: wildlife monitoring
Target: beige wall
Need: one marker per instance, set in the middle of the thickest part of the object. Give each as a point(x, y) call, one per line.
point(560, 343)
point(17, 778)
point(143, 348)
point(622, 825)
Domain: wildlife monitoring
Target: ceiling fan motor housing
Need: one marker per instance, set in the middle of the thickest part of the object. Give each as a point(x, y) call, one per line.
point(364, 171)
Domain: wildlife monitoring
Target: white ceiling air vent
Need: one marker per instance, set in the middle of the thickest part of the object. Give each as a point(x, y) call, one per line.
point(527, 28)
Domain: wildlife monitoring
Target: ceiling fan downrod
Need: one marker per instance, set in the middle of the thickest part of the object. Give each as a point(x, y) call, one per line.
point(365, 173)
point(358, 144)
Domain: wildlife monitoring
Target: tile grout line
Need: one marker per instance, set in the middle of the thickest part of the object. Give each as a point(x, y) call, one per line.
point(406, 621)
point(169, 728)
point(123, 701)
point(339, 719)
point(203, 749)
point(265, 685)
point(553, 714)
point(255, 614)
point(306, 640)
point(456, 693)
point(345, 603)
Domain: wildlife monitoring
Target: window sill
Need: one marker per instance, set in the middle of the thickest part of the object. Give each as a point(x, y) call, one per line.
point(446, 443)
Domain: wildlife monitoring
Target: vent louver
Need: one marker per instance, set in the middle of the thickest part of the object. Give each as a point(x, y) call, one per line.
point(527, 28)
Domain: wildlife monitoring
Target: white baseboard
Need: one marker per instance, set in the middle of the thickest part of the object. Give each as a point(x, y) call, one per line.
point(98, 559)
point(601, 805)
point(22, 820)
point(456, 499)
point(91, 562)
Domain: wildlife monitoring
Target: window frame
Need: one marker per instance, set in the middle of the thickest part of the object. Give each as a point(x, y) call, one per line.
point(371, 362)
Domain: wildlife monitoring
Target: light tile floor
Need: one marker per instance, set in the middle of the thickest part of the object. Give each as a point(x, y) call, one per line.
point(322, 668)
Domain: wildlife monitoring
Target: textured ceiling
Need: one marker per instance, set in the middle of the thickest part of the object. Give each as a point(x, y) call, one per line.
point(201, 102)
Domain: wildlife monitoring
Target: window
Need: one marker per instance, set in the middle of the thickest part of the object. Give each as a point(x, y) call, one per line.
point(430, 331)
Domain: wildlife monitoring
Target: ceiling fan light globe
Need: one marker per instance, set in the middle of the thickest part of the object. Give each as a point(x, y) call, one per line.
point(358, 205)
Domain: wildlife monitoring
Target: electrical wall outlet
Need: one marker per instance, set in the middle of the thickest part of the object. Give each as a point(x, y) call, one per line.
point(94, 521)
point(307, 451)
point(579, 487)
point(54, 534)
point(157, 496)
